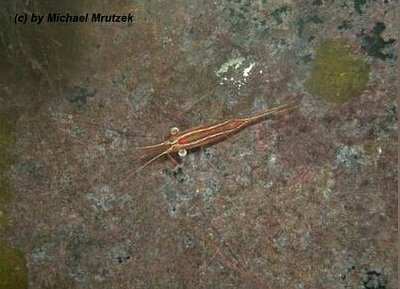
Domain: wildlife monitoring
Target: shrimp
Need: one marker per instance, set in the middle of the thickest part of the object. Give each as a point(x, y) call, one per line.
point(181, 142)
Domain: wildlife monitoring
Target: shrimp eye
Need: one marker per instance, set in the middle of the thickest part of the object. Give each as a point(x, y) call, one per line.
point(174, 130)
point(182, 153)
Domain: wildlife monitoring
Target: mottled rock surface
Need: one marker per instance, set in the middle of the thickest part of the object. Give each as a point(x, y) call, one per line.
point(306, 200)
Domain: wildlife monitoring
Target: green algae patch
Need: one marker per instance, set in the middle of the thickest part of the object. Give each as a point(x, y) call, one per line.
point(13, 269)
point(337, 75)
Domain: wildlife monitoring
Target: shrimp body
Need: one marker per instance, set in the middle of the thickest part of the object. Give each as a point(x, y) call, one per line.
point(208, 134)
point(205, 135)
